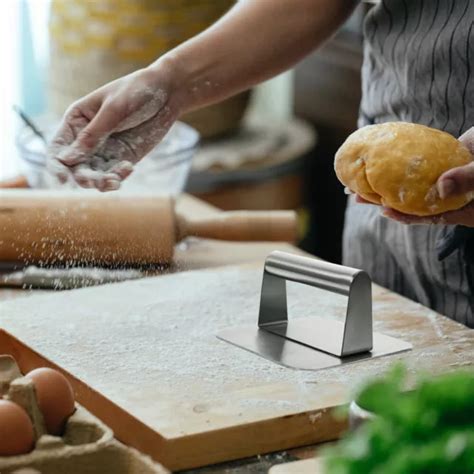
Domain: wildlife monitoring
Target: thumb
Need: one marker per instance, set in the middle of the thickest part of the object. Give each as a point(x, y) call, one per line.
point(459, 180)
point(456, 181)
point(92, 136)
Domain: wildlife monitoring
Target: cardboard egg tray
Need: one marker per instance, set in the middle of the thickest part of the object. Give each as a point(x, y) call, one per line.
point(87, 446)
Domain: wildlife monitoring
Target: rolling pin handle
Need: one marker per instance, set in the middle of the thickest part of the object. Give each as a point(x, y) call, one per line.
point(275, 226)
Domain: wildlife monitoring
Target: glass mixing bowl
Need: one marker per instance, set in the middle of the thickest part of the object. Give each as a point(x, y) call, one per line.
point(164, 170)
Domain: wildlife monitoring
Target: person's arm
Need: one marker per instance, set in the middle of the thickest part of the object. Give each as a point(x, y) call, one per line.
point(256, 40)
point(104, 133)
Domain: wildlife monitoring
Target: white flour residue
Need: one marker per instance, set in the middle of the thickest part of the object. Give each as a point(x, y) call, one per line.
point(401, 194)
point(150, 345)
point(314, 417)
point(164, 170)
point(413, 166)
point(432, 196)
point(135, 136)
point(67, 278)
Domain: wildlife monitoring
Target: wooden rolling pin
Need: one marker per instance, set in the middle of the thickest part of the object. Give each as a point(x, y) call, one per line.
point(18, 182)
point(42, 227)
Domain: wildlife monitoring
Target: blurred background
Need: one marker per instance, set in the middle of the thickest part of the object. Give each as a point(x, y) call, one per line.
point(269, 148)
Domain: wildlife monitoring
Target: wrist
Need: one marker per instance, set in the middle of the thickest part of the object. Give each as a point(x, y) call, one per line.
point(167, 73)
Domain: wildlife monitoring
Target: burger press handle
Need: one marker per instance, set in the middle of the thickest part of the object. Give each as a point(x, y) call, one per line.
point(313, 343)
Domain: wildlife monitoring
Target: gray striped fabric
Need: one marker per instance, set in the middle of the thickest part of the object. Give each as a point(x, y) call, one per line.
point(418, 64)
point(418, 67)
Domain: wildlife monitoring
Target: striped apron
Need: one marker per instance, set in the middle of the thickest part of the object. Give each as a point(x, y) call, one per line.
point(418, 67)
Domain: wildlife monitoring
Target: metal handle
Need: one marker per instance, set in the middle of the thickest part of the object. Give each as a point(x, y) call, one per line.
point(310, 271)
point(353, 283)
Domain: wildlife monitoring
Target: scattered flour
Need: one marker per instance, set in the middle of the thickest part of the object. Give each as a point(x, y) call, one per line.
point(315, 417)
point(150, 345)
point(67, 278)
point(113, 160)
point(401, 194)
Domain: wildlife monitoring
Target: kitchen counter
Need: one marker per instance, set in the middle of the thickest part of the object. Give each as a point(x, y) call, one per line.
point(431, 330)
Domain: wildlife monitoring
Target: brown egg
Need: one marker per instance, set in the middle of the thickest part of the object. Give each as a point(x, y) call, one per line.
point(55, 398)
point(16, 430)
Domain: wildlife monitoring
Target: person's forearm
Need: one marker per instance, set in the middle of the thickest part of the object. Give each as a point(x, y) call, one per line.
point(256, 40)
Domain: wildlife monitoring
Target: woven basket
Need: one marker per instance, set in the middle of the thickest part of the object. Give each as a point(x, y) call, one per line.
point(94, 42)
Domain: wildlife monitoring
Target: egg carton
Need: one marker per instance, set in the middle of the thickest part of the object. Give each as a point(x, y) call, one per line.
point(87, 446)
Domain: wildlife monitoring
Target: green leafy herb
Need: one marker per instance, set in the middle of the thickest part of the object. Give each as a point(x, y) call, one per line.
point(429, 430)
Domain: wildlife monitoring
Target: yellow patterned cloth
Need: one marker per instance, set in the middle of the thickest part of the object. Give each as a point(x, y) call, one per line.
point(96, 41)
point(137, 30)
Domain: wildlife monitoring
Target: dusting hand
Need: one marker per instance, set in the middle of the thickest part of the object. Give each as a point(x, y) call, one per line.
point(455, 181)
point(105, 133)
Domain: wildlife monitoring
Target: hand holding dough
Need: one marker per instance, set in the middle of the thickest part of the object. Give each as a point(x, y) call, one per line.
point(397, 164)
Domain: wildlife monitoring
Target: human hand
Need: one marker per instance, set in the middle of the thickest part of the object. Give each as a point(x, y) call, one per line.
point(464, 216)
point(105, 133)
point(454, 181)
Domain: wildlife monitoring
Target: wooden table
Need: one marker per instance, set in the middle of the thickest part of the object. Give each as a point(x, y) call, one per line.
point(202, 254)
point(196, 254)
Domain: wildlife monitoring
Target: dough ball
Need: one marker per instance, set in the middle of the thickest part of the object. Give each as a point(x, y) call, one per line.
point(397, 164)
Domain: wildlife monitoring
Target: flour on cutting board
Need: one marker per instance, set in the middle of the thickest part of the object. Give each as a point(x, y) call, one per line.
point(150, 346)
point(67, 278)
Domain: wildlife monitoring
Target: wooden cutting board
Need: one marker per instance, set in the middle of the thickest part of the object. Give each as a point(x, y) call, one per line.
point(143, 356)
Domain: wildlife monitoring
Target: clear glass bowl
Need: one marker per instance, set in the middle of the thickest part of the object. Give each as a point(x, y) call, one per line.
point(164, 170)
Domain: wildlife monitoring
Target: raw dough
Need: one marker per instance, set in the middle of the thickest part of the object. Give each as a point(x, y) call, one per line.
point(397, 164)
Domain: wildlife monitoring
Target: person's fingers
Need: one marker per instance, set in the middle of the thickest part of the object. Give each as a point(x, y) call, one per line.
point(467, 139)
point(463, 216)
point(108, 182)
point(86, 177)
point(57, 169)
point(100, 127)
point(361, 200)
point(95, 153)
point(62, 147)
point(91, 136)
point(122, 169)
point(408, 218)
point(62, 139)
point(461, 179)
point(83, 181)
point(89, 178)
point(458, 180)
point(111, 185)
